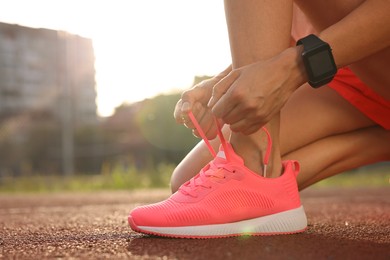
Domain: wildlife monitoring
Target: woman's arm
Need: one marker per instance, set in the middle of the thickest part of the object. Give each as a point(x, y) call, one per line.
point(363, 32)
point(359, 34)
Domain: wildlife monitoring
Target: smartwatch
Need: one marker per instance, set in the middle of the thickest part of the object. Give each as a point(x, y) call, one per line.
point(318, 60)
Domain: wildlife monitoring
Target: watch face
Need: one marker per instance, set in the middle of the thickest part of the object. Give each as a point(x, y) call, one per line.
point(320, 64)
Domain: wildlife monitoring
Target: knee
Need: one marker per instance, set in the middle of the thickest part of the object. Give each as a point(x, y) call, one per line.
point(183, 172)
point(175, 180)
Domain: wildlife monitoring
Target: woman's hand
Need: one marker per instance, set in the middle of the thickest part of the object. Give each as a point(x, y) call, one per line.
point(196, 100)
point(248, 97)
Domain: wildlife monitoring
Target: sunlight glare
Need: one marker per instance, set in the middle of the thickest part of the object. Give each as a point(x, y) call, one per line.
point(142, 47)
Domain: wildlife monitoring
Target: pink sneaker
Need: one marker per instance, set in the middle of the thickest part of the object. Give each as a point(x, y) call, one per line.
point(226, 199)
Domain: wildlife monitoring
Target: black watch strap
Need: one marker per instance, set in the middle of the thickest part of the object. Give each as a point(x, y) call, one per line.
point(310, 42)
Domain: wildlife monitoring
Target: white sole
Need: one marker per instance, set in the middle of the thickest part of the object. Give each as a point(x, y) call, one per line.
point(286, 222)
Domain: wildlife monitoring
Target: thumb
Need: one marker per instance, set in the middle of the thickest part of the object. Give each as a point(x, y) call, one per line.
point(221, 87)
point(185, 104)
point(182, 108)
point(192, 96)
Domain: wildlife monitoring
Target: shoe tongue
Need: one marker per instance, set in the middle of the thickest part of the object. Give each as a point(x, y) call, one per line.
point(221, 154)
point(228, 155)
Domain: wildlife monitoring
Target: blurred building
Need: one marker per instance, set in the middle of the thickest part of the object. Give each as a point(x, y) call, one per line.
point(47, 71)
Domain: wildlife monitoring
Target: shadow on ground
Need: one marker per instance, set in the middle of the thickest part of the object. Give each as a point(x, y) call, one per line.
point(300, 246)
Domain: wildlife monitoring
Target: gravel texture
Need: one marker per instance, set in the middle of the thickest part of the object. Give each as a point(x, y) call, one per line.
point(343, 224)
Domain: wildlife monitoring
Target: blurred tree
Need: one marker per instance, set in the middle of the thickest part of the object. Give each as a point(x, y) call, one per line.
point(170, 140)
point(143, 135)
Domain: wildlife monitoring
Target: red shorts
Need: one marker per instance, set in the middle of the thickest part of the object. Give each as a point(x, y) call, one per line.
point(351, 88)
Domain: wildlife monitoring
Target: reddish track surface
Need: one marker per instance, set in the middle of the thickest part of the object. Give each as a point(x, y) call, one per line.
point(343, 224)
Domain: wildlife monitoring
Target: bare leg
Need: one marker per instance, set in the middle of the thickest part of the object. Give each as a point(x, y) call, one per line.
point(258, 30)
point(324, 145)
point(335, 154)
point(319, 160)
point(327, 135)
point(305, 136)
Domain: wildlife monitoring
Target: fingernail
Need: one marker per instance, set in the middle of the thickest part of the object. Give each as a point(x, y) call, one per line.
point(194, 134)
point(185, 107)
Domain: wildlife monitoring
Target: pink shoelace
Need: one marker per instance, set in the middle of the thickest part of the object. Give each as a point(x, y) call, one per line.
point(224, 142)
point(212, 172)
point(215, 170)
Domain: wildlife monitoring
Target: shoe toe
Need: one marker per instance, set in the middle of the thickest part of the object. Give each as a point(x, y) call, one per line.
point(144, 216)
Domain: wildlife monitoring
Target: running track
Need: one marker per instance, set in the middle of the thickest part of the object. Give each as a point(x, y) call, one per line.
point(343, 224)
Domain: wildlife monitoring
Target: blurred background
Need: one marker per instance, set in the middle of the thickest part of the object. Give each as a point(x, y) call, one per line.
point(88, 88)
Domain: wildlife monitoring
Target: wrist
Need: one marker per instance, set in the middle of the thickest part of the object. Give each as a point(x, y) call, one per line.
point(292, 60)
point(318, 60)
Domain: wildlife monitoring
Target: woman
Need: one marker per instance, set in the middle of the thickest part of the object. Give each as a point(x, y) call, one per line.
point(339, 126)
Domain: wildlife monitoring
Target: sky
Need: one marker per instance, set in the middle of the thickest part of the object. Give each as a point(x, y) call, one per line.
point(142, 47)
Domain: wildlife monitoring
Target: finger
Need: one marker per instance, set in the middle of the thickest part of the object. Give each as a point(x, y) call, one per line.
point(240, 125)
point(186, 102)
point(205, 120)
point(199, 113)
point(180, 117)
point(191, 96)
point(210, 131)
point(225, 105)
point(221, 87)
point(213, 130)
point(248, 126)
point(248, 109)
point(177, 114)
point(208, 125)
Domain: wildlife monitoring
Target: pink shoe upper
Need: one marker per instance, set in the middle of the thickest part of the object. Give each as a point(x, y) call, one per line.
point(224, 191)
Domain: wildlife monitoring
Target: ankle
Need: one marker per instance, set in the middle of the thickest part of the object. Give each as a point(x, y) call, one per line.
point(252, 150)
point(274, 169)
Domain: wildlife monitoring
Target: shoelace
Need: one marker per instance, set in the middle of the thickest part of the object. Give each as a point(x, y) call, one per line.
point(212, 172)
point(215, 170)
point(224, 142)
